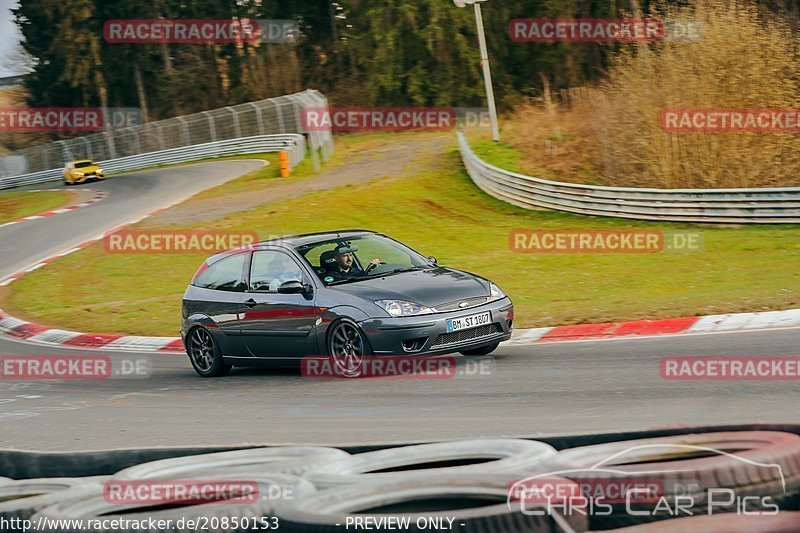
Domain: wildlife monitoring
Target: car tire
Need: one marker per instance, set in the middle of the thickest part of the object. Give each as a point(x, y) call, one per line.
point(483, 350)
point(351, 332)
point(476, 503)
point(204, 354)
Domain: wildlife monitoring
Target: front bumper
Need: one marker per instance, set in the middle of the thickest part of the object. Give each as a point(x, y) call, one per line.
point(84, 179)
point(427, 334)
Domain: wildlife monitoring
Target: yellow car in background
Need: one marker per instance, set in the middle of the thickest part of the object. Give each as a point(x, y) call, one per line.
point(82, 171)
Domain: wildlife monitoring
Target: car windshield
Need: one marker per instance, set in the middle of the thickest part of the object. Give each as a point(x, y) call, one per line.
point(392, 257)
point(83, 164)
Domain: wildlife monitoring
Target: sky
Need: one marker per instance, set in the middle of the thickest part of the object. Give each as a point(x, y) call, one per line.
point(9, 37)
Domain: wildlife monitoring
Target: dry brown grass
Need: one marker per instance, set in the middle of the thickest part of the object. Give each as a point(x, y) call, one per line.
point(556, 140)
point(612, 134)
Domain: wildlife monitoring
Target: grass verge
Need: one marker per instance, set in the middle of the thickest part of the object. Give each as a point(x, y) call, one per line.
point(438, 211)
point(19, 204)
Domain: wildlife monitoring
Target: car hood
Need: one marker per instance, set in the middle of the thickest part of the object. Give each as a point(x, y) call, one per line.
point(91, 168)
point(429, 287)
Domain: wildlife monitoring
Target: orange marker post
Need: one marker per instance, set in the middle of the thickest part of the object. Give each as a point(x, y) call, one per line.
point(284, 159)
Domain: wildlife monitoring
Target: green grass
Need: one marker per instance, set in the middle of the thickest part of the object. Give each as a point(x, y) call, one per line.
point(497, 154)
point(14, 205)
point(438, 211)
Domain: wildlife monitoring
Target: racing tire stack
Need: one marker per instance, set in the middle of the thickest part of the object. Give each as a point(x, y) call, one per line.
point(470, 486)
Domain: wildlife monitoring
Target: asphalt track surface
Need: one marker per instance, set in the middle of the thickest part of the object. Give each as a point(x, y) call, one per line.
point(544, 389)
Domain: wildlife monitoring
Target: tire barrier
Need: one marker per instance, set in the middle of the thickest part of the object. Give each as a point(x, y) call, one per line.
point(463, 486)
point(503, 455)
point(473, 503)
point(289, 459)
point(21, 499)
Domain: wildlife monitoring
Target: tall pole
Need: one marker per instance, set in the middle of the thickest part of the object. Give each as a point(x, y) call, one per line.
point(487, 75)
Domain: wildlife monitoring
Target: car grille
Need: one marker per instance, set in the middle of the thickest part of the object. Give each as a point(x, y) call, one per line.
point(467, 335)
point(454, 306)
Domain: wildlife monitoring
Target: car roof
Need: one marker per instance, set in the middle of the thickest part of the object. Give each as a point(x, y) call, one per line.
point(82, 161)
point(309, 238)
point(294, 241)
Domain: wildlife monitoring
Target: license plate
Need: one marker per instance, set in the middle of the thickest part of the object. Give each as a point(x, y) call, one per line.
point(471, 321)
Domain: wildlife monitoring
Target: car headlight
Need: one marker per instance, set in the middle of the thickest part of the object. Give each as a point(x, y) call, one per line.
point(495, 292)
point(99, 170)
point(403, 308)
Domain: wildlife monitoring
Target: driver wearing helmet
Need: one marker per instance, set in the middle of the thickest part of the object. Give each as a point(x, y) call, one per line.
point(345, 263)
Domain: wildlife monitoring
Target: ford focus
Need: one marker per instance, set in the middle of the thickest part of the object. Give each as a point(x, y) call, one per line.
point(344, 294)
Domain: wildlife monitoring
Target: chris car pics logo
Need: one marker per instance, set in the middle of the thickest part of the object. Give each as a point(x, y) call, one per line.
point(607, 488)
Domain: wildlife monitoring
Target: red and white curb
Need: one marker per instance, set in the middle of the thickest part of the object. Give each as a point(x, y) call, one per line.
point(668, 326)
point(521, 337)
point(96, 197)
point(38, 334)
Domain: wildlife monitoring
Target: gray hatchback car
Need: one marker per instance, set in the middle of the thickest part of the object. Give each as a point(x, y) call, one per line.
point(344, 294)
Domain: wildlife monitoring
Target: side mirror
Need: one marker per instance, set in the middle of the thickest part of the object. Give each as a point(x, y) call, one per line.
point(293, 287)
point(432, 260)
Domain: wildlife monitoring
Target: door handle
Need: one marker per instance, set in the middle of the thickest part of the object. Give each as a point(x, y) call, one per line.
point(250, 303)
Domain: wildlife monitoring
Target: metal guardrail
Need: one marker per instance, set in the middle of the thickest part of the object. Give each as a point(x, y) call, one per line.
point(739, 206)
point(293, 143)
point(272, 116)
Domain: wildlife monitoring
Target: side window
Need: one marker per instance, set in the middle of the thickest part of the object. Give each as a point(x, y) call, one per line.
point(270, 269)
point(224, 275)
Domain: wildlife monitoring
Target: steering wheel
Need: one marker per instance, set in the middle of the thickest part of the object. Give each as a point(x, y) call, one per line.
point(373, 265)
